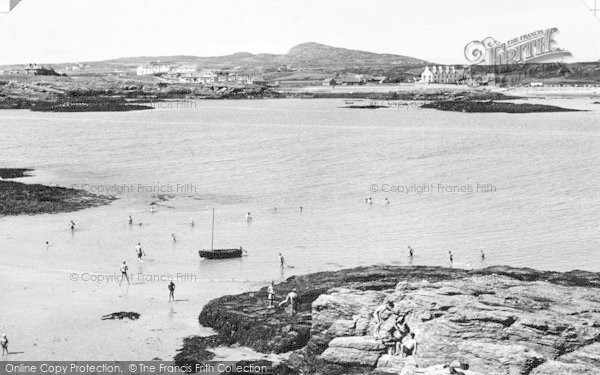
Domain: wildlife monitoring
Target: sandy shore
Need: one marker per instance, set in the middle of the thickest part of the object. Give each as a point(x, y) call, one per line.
point(47, 316)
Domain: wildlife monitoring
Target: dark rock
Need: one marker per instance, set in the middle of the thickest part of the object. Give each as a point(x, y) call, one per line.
point(121, 315)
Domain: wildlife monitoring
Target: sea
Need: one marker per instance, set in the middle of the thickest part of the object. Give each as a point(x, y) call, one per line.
point(522, 188)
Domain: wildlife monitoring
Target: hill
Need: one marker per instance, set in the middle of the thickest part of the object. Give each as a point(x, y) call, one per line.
point(305, 55)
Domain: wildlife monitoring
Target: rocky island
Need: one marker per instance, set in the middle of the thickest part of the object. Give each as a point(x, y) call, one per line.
point(497, 320)
point(18, 198)
point(491, 106)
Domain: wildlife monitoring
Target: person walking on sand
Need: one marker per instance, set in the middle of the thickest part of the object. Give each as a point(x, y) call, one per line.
point(72, 225)
point(124, 270)
point(292, 300)
point(173, 237)
point(450, 256)
point(387, 201)
point(482, 255)
point(171, 291)
point(4, 344)
point(271, 294)
point(152, 210)
point(281, 261)
point(139, 251)
point(410, 251)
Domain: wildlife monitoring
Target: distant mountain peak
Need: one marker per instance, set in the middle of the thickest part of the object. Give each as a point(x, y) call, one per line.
point(314, 52)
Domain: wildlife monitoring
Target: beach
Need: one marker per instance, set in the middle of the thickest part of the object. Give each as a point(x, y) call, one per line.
point(258, 155)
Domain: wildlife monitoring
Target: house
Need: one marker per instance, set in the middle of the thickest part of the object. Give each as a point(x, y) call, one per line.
point(353, 80)
point(185, 69)
point(442, 74)
point(330, 82)
point(153, 68)
point(205, 76)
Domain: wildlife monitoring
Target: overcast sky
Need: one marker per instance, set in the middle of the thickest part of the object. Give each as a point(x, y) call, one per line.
point(50, 31)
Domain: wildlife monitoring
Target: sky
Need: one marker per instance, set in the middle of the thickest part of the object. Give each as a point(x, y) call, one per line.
point(53, 31)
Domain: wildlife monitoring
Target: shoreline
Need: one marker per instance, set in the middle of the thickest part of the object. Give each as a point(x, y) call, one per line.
point(325, 298)
point(18, 198)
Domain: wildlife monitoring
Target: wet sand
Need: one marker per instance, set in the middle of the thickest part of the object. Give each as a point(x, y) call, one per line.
point(47, 316)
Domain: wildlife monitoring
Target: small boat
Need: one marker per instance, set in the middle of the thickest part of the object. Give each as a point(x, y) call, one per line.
point(219, 253)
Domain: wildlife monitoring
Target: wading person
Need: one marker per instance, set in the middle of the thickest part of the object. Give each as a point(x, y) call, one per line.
point(139, 251)
point(124, 269)
point(130, 220)
point(171, 291)
point(281, 261)
point(292, 300)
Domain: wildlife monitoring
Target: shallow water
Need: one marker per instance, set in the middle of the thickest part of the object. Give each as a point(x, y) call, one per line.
point(239, 156)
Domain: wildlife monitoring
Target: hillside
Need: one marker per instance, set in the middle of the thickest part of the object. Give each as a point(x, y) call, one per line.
point(305, 55)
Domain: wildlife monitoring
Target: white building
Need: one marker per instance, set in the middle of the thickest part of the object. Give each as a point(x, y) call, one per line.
point(442, 74)
point(153, 68)
point(205, 76)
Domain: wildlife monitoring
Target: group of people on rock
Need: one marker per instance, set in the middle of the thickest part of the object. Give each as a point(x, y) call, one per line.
point(292, 299)
point(399, 335)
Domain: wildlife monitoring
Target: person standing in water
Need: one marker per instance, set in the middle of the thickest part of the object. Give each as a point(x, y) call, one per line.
point(171, 291)
point(271, 294)
point(248, 216)
point(130, 220)
point(124, 270)
point(173, 237)
point(139, 251)
point(301, 209)
point(4, 344)
point(281, 261)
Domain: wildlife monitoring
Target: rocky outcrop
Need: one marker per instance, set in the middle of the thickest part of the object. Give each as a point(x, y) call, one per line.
point(499, 320)
point(491, 106)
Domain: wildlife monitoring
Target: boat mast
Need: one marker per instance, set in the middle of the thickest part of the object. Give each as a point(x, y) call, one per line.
point(212, 236)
